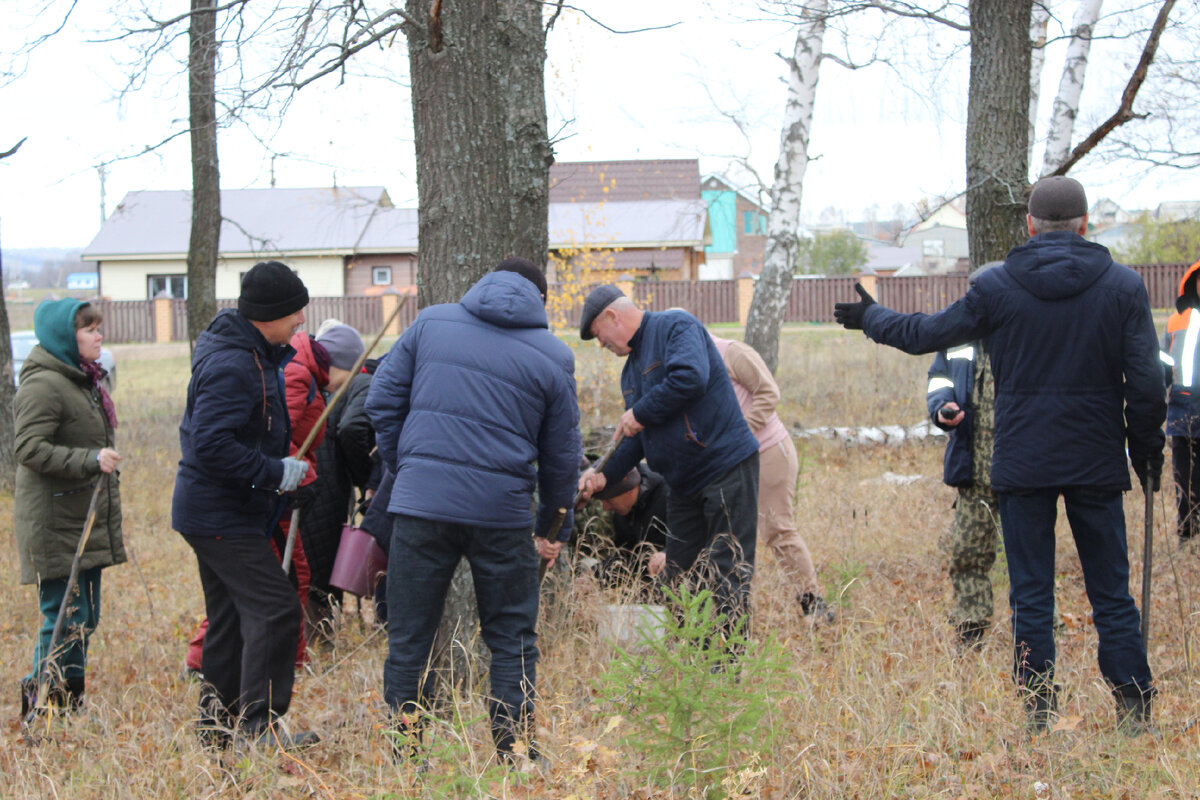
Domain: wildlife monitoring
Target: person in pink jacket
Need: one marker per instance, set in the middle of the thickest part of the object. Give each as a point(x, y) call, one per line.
point(758, 396)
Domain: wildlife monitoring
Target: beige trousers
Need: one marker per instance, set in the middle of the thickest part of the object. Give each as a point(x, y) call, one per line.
point(777, 471)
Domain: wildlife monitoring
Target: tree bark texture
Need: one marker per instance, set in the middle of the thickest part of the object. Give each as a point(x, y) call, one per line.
point(483, 153)
point(205, 236)
point(483, 186)
point(1070, 86)
point(783, 222)
point(1037, 60)
point(8, 458)
point(997, 128)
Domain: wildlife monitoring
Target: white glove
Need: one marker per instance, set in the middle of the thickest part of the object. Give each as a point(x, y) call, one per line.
point(294, 471)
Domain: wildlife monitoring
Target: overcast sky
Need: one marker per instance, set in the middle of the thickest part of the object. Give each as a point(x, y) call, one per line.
point(881, 138)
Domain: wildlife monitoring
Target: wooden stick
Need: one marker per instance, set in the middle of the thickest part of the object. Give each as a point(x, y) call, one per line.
point(320, 423)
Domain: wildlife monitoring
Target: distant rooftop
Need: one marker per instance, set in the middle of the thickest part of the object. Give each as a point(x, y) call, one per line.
point(615, 181)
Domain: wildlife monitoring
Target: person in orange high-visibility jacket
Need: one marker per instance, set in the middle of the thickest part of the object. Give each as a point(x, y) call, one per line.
point(1181, 365)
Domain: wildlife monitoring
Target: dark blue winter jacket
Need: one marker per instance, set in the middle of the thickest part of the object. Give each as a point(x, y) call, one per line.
point(1073, 351)
point(679, 389)
point(474, 403)
point(952, 380)
point(234, 433)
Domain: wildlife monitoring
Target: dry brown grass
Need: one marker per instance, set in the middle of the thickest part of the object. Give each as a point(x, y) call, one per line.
point(878, 706)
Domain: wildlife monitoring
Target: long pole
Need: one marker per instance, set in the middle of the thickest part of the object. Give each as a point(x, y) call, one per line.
point(320, 424)
point(1147, 563)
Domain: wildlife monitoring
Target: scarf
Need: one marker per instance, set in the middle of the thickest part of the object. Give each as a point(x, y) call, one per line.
point(95, 372)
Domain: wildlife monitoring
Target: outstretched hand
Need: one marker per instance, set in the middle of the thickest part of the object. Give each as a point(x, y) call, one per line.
point(850, 315)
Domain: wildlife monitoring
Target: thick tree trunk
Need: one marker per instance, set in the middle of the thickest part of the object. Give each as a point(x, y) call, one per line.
point(483, 178)
point(783, 222)
point(1037, 60)
point(1070, 86)
point(206, 174)
point(8, 461)
point(483, 154)
point(997, 128)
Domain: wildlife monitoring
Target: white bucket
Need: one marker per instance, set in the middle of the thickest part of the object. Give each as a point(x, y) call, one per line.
point(626, 625)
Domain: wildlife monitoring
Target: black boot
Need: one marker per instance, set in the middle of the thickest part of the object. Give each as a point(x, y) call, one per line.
point(970, 634)
point(1041, 707)
point(29, 693)
point(815, 606)
point(505, 735)
point(73, 694)
point(1133, 711)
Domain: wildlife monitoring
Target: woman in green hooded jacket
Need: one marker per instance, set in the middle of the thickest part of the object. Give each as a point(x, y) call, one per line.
point(65, 425)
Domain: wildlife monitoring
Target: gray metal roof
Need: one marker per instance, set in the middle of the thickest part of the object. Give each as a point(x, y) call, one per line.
point(363, 220)
point(150, 223)
point(625, 224)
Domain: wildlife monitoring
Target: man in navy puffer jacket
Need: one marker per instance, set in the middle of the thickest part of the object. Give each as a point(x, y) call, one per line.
point(472, 405)
point(681, 413)
point(1075, 360)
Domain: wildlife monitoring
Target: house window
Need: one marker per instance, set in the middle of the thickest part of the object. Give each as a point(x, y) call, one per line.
point(935, 248)
point(381, 276)
point(747, 222)
point(166, 286)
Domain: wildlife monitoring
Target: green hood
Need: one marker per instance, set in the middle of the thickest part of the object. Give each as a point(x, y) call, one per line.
point(54, 326)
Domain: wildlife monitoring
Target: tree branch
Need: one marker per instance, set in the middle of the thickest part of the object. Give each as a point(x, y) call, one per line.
point(1124, 112)
point(14, 148)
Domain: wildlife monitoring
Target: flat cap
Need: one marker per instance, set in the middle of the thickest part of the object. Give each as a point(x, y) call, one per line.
point(597, 300)
point(1057, 198)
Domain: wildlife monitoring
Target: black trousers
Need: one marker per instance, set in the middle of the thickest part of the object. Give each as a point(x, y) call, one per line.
point(253, 630)
point(714, 532)
point(1185, 459)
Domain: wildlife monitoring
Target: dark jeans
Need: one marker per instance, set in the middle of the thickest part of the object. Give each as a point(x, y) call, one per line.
point(717, 527)
point(1098, 525)
point(1185, 459)
point(504, 567)
point(253, 630)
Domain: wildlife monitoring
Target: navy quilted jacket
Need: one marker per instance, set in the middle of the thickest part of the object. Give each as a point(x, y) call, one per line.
point(1074, 355)
point(473, 404)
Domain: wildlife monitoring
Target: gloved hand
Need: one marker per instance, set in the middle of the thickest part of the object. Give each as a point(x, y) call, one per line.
point(294, 471)
point(850, 315)
point(1148, 466)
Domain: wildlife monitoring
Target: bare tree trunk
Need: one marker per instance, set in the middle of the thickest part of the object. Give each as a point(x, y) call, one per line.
point(206, 174)
point(483, 177)
point(997, 128)
point(1037, 60)
point(8, 461)
point(779, 257)
point(1070, 86)
point(479, 124)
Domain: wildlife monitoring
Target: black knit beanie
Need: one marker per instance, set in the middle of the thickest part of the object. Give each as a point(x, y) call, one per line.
point(271, 291)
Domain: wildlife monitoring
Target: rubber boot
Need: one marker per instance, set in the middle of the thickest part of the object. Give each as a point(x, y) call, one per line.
point(1133, 712)
point(406, 739)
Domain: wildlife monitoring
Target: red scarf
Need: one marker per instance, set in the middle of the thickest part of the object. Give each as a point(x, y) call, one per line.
point(94, 371)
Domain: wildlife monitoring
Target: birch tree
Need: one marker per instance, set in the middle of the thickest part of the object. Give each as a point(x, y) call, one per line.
point(1070, 87)
point(783, 221)
point(1040, 20)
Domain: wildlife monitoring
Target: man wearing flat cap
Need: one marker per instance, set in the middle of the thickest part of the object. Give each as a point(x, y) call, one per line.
point(682, 415)
point(233, 469)
point(1074, 355)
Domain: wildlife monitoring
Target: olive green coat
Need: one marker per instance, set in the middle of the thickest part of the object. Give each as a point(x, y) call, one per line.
point(60, 430)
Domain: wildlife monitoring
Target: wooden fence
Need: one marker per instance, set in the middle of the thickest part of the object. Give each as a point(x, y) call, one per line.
point(811, 300)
